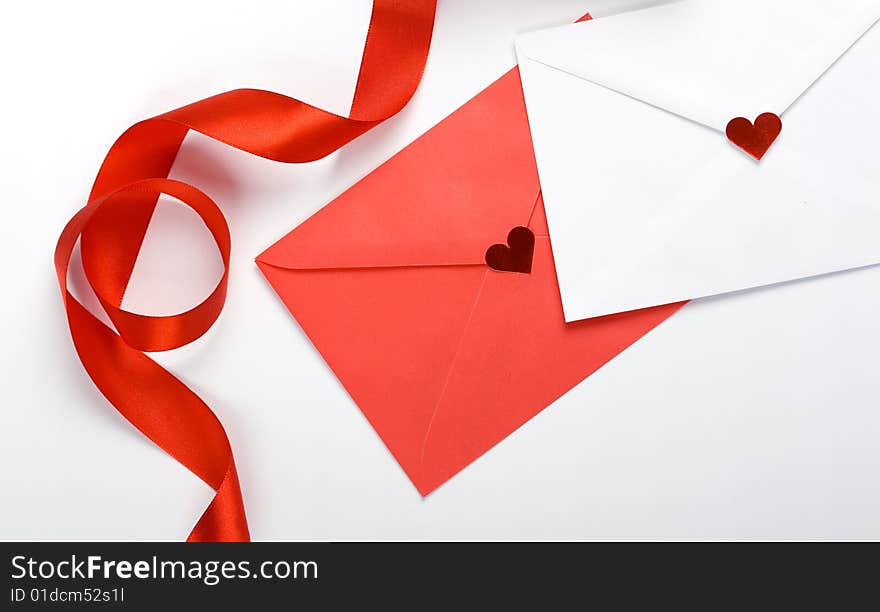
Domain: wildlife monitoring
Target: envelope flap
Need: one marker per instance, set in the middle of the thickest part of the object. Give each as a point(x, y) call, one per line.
point(708, 60)
point(443, 200)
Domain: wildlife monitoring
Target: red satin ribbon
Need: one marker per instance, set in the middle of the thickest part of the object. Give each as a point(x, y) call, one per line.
point(111, 228)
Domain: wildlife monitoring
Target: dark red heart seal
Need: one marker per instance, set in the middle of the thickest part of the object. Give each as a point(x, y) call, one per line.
point(516, 255)
point(755, 138)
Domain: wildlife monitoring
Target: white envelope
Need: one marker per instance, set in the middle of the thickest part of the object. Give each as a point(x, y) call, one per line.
point(649, 203)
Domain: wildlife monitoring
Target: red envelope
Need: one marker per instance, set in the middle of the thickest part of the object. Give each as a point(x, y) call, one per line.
point(444, 355)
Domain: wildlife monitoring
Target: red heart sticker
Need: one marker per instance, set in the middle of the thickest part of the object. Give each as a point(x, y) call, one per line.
point(516, 255)
point(755, 138)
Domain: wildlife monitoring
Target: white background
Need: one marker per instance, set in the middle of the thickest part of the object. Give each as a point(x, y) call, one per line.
point(753, 415)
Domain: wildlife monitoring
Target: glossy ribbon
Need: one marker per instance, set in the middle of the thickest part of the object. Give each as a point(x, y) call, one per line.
point(112, 225)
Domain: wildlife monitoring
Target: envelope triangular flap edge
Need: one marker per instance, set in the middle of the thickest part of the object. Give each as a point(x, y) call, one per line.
point(442, 200)
point(708, 60)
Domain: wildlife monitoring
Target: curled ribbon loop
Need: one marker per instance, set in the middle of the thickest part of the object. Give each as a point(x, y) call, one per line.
point(149, 333)
point(112, 225)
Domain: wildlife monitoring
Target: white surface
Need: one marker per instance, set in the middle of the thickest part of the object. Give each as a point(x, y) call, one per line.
point(647, 206)
point(752, 415)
